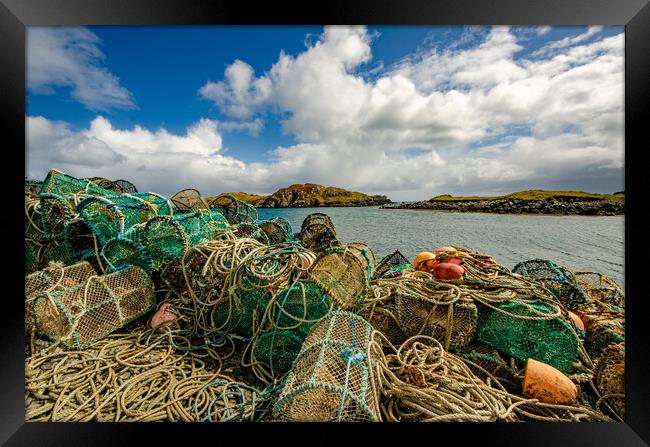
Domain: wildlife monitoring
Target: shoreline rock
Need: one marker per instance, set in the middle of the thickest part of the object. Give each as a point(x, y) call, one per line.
point(566, 206)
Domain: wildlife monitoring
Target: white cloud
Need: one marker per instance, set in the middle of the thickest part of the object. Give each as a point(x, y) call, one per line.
point(542, 30)
point(70, 57)
point(569, 41)
point(436, 122)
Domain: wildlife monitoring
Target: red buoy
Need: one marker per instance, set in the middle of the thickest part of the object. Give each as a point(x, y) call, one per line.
point(447, 270)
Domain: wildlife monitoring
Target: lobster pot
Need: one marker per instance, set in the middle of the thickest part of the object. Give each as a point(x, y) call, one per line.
point(82, 314)
point(604, 325)
point(609, 376)
point(342, 275)
point(248, 230)
point(317, 232)
point(79, 240)
point(243, 313)
point(188, 200)
point(294, 312)
point(453, 325)
point(332, 378)
point(166, 238)
point(118, 186)
point(383, 319)
point(299, 307)
point(559, 280)
point(53, 276)
point(128, 249)
point(235, 211)
point(512, 331)
point(392, 265)
point(278, 349)
point(277, 230)
point(56, 182)
point(56, 211)
point(111, 216)
point(600, 287)
point(364, 255)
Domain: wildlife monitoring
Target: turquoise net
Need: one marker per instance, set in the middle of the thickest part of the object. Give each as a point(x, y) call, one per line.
point(518, 330)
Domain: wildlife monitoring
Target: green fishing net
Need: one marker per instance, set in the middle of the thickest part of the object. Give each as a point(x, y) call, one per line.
point(56, 182)
point(559, 280)
point(392, 265)
point(522, 331)
point(235, 211)
point(278, 348)
point(109, 217)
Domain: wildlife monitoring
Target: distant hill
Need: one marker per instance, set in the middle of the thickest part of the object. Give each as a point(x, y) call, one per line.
point(311, 195)
point(535, 194)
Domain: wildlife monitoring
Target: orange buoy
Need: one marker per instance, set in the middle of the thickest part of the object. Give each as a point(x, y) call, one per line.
point(577, 321)
point(447, 270)
point(163, 316)
point(547, 384)
point(422, 260)
point(445, 249)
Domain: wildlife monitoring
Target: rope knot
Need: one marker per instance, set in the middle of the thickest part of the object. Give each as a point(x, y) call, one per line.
point(351, 357)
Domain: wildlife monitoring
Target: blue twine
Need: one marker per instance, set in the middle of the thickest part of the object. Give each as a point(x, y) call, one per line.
point(350, 357)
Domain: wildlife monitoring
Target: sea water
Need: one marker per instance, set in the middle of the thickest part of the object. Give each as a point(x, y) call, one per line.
point(580, 243)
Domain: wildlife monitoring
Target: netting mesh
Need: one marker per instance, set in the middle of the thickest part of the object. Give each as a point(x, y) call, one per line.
point(118, 186)
point(383, 318)
point(609, 376)
point(56, 182)
point(53, 277)
point(109, 217)
point(332, 377)
point(56, 251)
point(392, 265)
point(559, 280)
point(532, 330)
point(481, 357)
point(189, 200)
point(276, 230)
point(55, 211)
point(450, 321)
point(79, 240)
point(604, 325)
point(317, 232)
point(278, 349)
point(235, 211)
point(600, 287)
point(344, 273)
point(78, 316)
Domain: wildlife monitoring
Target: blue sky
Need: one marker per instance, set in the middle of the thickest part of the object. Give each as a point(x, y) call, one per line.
point(410, 111)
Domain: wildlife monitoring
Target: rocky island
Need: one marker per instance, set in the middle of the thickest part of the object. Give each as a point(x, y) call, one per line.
point(311, 195)
point(528, 202)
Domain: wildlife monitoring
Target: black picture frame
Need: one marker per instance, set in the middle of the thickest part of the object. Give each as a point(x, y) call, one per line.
point(16, 15)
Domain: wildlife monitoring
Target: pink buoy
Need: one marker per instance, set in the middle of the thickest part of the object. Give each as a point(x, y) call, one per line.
point(163, 316)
